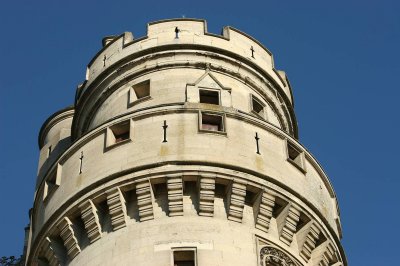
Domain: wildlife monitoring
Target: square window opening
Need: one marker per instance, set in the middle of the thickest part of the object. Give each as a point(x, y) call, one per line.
point(142, 90)
point(209, 96)
point(184, 258)
point(119, 133)
point(295, 156)
point(212, 123)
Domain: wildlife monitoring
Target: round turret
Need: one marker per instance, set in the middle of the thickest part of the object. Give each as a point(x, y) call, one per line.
point(182, 150)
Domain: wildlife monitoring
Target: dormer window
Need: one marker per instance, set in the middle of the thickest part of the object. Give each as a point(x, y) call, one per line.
point(209, 96)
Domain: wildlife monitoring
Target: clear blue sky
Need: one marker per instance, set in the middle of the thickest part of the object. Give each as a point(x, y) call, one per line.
point(342, 58)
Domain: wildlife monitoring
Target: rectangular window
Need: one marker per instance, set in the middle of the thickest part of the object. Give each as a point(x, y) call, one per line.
point(210, 122)
point(257, 107)
point(119, 133)
point(139, 92)
point(209, 96)
point(184, 257)
point(295, 156)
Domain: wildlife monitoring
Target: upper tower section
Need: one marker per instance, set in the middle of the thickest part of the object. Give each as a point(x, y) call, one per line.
point(237, 61)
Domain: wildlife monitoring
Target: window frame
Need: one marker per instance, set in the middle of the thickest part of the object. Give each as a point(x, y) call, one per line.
point(299, 161)
point(254, 98)
point(110, 136)
point(201, 89)
point(208, 113)
point(192, 249)
point(132, 94)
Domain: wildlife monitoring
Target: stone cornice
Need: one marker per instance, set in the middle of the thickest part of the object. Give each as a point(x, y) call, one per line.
point(140, 174)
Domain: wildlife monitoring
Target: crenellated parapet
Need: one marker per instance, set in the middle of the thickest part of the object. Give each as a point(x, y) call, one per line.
point(233, 54)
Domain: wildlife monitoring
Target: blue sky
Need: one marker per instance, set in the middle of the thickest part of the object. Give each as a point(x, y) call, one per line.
point(342, 58)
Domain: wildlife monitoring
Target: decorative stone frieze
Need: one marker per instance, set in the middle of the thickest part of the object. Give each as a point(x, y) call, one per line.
point(206, 194)
point(287, 223)
point(144, 201)
point(263, 208)
point(236, 199)
point(67, 233)
point(90, 218)
point(175, 194)
point(117, 208)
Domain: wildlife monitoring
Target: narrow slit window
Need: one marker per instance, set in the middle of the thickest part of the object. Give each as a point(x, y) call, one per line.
point(209, 96)
point(49, 151)
point(211, 122)
point(119, 133)
point(184, 258)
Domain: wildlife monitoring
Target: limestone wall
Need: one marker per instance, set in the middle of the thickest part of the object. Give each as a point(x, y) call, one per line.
point(185, 143)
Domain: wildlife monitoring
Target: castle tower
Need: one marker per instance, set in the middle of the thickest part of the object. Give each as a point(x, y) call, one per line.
point(181, 149)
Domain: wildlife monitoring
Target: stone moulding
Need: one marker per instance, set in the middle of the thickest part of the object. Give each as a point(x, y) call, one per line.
point(67, 234)
point(115, 79)
point(91, 220)
point(145, 201)
point(206, 194)
point(266, 202)
point(143, 113)
point(117, 208)
point(175, 195)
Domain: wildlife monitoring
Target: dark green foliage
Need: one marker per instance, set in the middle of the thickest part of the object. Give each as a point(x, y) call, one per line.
point(11, 261)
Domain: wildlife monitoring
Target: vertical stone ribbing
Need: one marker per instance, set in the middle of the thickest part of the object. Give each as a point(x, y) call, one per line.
point(117, 208)
point(68, 236)
point(48, 252)
point(175, 194)
point(91, 220)
point(264, 210)
point(236, 199)
point(144, 201)
point(309, 235)
point(287, 223)
point(206, 195)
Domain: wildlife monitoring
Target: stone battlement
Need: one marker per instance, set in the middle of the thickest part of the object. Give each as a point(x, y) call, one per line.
point(192, 32)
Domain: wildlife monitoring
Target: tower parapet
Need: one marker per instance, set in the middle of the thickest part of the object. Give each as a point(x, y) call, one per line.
point(182, 147)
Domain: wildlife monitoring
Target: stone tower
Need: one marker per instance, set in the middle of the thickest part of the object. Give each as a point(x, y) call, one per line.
point(181, 149)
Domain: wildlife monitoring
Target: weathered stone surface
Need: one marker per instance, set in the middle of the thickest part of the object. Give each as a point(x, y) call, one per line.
point(216, 194)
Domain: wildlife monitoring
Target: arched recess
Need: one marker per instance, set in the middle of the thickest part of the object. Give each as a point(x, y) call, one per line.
point(270, 256)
